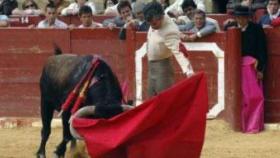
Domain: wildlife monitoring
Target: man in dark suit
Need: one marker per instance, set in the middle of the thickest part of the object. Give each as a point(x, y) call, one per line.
point(254, 57)
point(272, 13)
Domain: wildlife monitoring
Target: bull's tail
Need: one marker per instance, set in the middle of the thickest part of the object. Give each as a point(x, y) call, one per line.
point(57, 50)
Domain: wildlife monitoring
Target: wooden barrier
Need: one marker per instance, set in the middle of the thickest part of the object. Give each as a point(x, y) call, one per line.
point(272, 77)
point(24, 51)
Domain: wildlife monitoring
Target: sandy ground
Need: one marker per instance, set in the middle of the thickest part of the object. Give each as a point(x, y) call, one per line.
point(220, 142)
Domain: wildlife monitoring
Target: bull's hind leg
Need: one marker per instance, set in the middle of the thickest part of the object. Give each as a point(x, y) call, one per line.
point(61, 148)
point(46, 115)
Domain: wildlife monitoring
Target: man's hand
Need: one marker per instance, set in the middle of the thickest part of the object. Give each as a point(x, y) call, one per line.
point(111, 26)
point(188, 38)
point(193, 37)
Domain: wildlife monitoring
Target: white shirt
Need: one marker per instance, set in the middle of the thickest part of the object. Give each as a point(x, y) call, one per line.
point(74, 7)
point(57, 24)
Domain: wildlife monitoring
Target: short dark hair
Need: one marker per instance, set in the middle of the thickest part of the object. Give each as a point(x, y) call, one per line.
point(188, 3)
point(153, 10)
point(123, 4)
point(85, 10)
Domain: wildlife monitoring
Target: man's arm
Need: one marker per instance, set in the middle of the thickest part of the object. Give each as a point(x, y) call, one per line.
point(172, 41)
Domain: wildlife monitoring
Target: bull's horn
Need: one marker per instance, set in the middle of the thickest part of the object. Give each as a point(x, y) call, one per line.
point(83, 112)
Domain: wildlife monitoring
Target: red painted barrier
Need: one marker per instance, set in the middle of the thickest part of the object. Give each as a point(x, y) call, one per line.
point(22, 40)
point(23, 53)
point(272, 77)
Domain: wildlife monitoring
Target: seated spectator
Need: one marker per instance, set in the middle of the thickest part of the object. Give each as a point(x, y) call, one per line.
point(139, 22)
point(29, 7)
point(73, 8)
point(110, 7)
point(188, 8)
point(125, 11)
point(4, 21)
point(51, 20)
point(7, 6)
point(199, 28)
point(176, 10)
point(85, 14)
point(60, 5)
point(273, 13)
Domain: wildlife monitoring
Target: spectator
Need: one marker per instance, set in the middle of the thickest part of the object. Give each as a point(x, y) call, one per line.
point(188, 8)
point(176, 10)
point(73, 8)
point(125, 12)
point(29, 7)
point(7, 6)
point(253, 45)
point(51, 20)
point(199, 28)
point(85, 14)
point(162, 43)
point(139, 22)
point(273, 13)
point(110, 7)
point(60, 5)
point(4, 21)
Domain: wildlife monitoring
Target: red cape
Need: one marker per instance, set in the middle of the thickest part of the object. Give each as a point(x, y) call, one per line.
point(169, 125)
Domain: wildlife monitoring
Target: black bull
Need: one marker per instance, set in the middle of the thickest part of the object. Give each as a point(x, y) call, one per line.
point(60, 75)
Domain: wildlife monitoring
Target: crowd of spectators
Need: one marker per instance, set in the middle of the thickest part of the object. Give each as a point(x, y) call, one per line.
point(189, 15)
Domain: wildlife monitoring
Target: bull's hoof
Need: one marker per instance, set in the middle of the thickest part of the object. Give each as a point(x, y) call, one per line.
point(57, 156)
